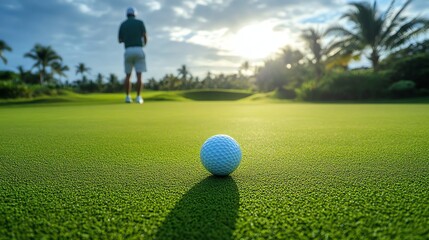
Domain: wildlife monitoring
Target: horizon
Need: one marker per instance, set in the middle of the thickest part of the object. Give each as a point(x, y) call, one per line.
point(206, 35)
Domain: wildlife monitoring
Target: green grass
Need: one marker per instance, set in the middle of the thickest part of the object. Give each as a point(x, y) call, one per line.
point(181, 96)
point(112, 170)
point(149, 96)
point(94, 98)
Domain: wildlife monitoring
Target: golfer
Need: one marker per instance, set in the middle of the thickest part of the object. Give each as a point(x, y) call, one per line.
point(132, 33)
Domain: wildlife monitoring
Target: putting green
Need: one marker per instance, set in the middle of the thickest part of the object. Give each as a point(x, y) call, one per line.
point(133, 171)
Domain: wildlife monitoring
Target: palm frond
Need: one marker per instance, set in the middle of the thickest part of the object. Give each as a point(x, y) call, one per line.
point(395, 20)
point(388, 13)
point(342, 32)
point(4, 46)
point(407, 36)
point(3, 59)
point(408, 30)
point(30, 55)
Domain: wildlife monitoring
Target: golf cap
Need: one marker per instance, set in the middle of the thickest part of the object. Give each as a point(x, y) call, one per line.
point(131, 11)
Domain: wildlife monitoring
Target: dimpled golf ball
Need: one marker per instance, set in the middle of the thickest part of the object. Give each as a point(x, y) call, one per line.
point(220, 155)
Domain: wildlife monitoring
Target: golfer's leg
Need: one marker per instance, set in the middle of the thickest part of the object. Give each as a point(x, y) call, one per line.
point(139, 83)
point(128, 67)
point(127, 84)
point(140, 67)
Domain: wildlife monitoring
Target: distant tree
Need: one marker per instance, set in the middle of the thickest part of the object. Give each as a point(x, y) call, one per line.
point(381, 32)
point(291, 58)
point(113, 79)
point(82, 69)
point(152, 84)
point(59, 68)
point(113, 84)
point(22, 73)
point(99, 82)
point(183, 72)
point(207, 80)
point(272, 75)
point(170, 82)
point(27, 76)
point(285, 70)
point(4, 47)
point(44, 57)
point(245, 66)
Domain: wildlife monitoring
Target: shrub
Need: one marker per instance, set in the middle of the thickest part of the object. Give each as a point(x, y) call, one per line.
point(7, 75)
point(8, 89)
point(414, 68)
point(350, 85)
point(44, 90)
point(404, 88)
point(285, 93)
point(308, 91)
point(423, 92)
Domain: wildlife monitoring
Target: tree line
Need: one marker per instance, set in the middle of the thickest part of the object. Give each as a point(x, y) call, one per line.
point(318, 72)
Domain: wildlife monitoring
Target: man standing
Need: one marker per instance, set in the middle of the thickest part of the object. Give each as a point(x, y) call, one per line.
point(132, 33)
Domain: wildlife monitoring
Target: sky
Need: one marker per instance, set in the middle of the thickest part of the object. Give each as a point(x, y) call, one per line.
point(204, 35)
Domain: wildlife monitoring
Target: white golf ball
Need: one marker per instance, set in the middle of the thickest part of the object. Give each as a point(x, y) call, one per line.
point(220, 155)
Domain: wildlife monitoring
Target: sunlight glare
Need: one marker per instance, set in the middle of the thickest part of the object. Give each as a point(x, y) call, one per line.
point(257, 41)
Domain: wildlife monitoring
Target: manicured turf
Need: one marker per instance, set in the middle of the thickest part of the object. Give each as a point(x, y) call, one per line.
point(112, 171)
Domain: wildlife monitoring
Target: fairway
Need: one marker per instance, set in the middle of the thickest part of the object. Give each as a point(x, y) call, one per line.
point(112, 171)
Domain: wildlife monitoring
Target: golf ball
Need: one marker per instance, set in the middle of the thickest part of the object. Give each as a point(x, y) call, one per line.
point(220, 155)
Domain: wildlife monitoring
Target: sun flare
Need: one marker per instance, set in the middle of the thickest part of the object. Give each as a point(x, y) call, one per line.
point(257, 41)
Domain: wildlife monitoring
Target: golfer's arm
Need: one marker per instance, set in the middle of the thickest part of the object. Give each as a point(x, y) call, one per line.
point(120, 35)
point(144, 38)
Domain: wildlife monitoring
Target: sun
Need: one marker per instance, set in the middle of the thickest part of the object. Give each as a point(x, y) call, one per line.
point(257, 41)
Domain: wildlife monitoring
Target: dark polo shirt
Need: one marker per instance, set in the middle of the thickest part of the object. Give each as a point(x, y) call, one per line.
point(131, 32)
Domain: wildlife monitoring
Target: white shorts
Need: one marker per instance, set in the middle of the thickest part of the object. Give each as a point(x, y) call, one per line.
point(134, 57)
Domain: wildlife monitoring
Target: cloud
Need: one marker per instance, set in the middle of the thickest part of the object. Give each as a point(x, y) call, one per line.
point(90, 8)
point(12, 6)
point(183, 12)
point(177, 34)
point(153, 5)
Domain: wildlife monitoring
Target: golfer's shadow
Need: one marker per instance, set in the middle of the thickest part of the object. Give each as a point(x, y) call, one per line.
point(207, 211)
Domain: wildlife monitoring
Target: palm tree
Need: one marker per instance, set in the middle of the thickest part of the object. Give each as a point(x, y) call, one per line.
point(291, 58)
point(99, 81)
point(44, 57)
point(313, 39)
point(329, 55)
point(245, 66)
point(22, 73)
point(380, 32)
point(59, 68)
point(184, 72)
point(113, 79)
point(207, 81)
point(82, 69)
point(171, 82)
point(4, 47)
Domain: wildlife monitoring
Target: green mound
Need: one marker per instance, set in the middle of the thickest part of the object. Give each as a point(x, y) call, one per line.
point(216, 95)
point(165, 96)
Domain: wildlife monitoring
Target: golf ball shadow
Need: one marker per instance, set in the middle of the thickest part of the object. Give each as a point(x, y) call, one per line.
point(207, 211)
